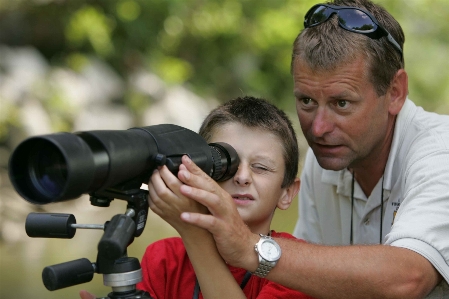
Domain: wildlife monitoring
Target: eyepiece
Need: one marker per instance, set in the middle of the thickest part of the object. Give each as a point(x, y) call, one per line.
point(225, 161)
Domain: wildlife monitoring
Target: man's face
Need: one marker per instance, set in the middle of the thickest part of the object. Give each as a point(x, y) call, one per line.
point(343, 119)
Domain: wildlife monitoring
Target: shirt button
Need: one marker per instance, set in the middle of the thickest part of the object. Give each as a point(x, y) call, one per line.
point(366, 221)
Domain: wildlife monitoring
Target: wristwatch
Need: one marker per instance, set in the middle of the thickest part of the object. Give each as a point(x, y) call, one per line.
point(269, 254)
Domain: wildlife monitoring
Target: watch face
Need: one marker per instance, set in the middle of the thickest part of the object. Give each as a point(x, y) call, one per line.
point(270, 250)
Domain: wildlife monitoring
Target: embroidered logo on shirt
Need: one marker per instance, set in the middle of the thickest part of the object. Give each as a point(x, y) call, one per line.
point(396, 206)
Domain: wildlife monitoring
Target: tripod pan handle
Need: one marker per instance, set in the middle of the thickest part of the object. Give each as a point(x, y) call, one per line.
point(67, 274)
point(50, 225)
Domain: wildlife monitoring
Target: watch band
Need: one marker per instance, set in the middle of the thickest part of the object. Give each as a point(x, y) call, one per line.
point(264, 265)
point(263, 268)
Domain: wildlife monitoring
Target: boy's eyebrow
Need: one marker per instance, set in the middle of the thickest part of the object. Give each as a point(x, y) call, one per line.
point(266, 158)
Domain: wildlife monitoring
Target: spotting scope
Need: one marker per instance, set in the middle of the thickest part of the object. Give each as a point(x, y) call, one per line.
point(107, 165)
point(63, 166)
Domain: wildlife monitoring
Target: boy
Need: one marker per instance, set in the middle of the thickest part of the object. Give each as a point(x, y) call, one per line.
point(266, 179)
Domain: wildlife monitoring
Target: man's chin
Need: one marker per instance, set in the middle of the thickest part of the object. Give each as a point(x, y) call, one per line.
point(333, 163)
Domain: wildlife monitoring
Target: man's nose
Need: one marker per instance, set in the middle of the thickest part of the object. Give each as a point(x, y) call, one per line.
point(323, 123)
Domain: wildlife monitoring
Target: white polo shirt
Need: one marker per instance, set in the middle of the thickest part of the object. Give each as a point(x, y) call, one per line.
point(415, 194)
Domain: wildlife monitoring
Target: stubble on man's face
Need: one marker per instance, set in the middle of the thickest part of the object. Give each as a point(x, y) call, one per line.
point(341, 116)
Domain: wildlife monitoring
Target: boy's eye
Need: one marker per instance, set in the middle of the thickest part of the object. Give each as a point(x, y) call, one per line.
point(260, 167)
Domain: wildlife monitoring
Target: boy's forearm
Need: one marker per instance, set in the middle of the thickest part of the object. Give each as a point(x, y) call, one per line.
point(214, 277)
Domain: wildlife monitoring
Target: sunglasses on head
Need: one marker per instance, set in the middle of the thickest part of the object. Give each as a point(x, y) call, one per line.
point(353, 19)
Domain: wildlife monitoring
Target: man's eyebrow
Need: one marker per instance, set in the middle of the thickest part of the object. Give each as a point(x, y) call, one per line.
point(299, 95)
point(343, 94)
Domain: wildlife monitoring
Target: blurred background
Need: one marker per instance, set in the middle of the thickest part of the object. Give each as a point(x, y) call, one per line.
point(116, 64)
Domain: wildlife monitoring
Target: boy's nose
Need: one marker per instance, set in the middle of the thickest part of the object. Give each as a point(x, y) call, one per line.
point(243, 176)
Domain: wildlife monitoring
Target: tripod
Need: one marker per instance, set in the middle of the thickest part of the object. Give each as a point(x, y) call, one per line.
point(120, 272)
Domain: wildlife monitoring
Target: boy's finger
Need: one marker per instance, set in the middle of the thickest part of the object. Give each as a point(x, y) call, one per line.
point(193, 168)
point(86, 295)
point(157, 183)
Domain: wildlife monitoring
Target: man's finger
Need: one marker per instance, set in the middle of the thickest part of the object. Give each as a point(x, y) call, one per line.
point(204, 221)
point(212, 201)
point(202, 186)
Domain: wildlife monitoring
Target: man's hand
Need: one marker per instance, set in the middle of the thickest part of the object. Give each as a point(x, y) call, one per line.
point(233, 238)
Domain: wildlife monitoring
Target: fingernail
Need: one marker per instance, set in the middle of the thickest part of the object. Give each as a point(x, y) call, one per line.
point(186, 189)
point(185, 216)
point(184, 174)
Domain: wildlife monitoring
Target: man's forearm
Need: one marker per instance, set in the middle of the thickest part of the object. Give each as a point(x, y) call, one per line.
point(376, 271)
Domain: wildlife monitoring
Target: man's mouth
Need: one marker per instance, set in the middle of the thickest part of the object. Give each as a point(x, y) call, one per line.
point(328, 147)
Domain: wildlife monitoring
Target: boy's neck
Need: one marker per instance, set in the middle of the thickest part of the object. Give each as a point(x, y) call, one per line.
point(266, 232)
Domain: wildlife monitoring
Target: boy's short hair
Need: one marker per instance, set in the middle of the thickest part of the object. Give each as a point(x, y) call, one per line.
point(258, 113)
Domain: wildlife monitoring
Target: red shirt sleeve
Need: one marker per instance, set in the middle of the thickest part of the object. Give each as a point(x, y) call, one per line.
point(168, 273)
point(166, 269)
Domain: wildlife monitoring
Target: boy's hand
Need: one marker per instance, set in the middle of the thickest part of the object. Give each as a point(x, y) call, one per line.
point(168, 202)
point(233, 238)
point(86, 295)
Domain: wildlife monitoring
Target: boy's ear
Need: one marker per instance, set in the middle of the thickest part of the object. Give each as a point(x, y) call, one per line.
point(288, 195)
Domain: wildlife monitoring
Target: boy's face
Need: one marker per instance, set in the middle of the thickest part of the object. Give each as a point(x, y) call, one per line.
point(256, 187)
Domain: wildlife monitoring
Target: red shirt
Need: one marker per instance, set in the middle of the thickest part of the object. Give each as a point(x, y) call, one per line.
point(168, 273)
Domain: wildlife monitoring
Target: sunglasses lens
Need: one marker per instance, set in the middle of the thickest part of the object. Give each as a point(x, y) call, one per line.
point(318, 15)
point(356, 20)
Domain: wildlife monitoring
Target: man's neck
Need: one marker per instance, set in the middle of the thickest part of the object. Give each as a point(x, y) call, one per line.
point(369, 173)
point(368, 180)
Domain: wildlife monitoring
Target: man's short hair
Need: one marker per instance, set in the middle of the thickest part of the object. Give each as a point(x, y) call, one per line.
point(257, 113)
point(327, 46)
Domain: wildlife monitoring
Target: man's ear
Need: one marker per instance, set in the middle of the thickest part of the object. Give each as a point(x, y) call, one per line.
point(288, 195)
point(398, 92)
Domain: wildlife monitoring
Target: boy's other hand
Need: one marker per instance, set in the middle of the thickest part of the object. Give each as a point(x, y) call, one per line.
point(86, 295)
point(166, 200)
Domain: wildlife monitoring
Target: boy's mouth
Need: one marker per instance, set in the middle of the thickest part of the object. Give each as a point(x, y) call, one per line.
point(242, 197)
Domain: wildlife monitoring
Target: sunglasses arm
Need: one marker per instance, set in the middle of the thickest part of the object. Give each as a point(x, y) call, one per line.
point(394, 43)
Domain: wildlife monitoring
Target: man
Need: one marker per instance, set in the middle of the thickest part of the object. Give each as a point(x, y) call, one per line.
point(377, 171)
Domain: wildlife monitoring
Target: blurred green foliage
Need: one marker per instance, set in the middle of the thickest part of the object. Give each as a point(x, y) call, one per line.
point(220, 48)
point(217, 48)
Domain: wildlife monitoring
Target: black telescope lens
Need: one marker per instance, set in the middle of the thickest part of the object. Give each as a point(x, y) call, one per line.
point(225, 159)
point(48, 171)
